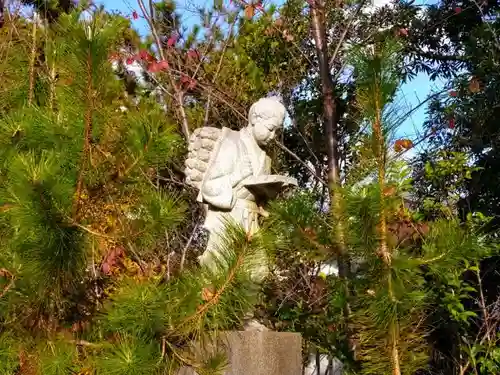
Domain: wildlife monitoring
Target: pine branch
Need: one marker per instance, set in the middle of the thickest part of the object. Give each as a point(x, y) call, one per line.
point(86, 136)
point(216, 296)
point(383, 250)
point(52, 83)
point(6, 288)
point(33, 54)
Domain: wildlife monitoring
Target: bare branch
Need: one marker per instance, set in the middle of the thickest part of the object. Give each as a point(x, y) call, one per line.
point(345, 31)
point(296, 157)
point(219, 65)
point(184, 250)
point(179, 96)
point(4, 272)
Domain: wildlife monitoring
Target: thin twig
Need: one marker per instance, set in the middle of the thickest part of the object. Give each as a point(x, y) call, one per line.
point(344, 33)
point(85, 343)
point(179, 96)
point(482, 303)
point(32, 60)
point(296, 157)
point(219, 66)
point(6, 288)
point(184, 250)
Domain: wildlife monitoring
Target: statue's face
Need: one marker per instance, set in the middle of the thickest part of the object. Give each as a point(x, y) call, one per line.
point(264, 130)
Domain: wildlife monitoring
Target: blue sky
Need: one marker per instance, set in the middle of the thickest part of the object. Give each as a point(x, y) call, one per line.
point(409, 96)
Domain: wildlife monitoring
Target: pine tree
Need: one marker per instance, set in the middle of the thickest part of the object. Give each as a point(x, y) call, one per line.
point(84, 223)
point(403, 268)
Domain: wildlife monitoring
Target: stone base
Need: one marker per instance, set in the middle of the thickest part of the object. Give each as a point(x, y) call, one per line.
point(261, 353)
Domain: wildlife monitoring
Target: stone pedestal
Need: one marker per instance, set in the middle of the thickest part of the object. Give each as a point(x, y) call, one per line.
point(261, 353)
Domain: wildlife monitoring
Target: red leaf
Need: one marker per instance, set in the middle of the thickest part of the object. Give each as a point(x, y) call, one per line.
point(172, 40)
point(403, 32)
point(130, 60)
point(453, 93)
point(259, 6)
point(474, 85)
point(187, 82)
point(111, 259)
point(146, 56)
point(402, 144)
point(451, 123)
point(156, 67)
point(114, 56)
point(458, 10)
point(193, 54)
point(135, 15)
point(249, 11)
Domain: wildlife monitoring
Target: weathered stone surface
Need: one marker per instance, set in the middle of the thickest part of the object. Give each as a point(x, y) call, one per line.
point(232, 171)
point(261, 353)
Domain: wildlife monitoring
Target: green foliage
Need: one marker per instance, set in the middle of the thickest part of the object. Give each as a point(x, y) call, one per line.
point(137, 309)
point(88, 210)
point(8, 354)
point(57, 358)
point(130, 356)
point(377, 75)
point(86, 221)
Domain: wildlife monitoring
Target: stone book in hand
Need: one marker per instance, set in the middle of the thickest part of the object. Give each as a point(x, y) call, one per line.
point(268, 186)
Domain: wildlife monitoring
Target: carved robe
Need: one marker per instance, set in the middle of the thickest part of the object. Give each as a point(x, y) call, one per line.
point(238, 157)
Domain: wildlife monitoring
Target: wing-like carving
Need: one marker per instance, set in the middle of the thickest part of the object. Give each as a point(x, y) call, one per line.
point(202, 144)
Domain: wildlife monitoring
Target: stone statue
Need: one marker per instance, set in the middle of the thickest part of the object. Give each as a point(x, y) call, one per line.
point(232, 172)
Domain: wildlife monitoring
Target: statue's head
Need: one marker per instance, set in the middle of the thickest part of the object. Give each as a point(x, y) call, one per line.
point(265, 117)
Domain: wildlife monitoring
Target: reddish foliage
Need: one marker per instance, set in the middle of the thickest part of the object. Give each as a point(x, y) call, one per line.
point(402, 144)
point(458, 10)
point(259, 6)
point(114, 56)
point(188, 82)
point(249, 11)
point(135, 15)
point(474, 85)
point(111, 259)
point(451, 123)
point(453, 93)
point(172, 40)
point(130, 60)
point(403, 32)
point(26, 365)
point(389, 190)
point(145, 56)
point(80, 326)
point(156, 67)
point(193, 54)
point(207, 293)
point(405, 232)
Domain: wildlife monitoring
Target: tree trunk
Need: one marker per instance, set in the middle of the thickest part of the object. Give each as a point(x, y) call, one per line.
point(318, 23)
point(329, 107)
